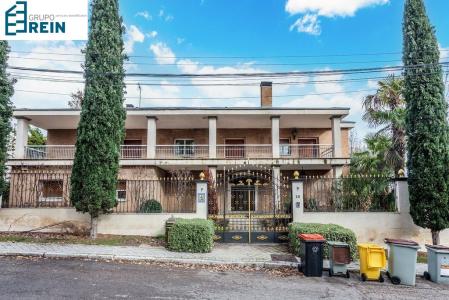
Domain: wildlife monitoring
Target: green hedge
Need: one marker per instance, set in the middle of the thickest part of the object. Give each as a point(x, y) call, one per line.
point(195, 236)
point(330, 232)
point(151, 207)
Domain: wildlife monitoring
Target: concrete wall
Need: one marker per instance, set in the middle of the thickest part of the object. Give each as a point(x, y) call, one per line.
point(120, 224)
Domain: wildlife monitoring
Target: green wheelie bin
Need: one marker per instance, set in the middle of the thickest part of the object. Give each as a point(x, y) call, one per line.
point(339, 258)
point(402, 257)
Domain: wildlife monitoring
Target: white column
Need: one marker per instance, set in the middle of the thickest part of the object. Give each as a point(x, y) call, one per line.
point(277, 186)
point(201, 199)
point(297, 200)
point(337, 171)
point(151, 137)
point(275, 122)
point(336, 136)
point(21, 137)
point(212, 137)
point(402, 196)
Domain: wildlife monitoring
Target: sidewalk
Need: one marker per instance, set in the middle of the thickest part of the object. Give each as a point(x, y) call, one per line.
point(262, 256)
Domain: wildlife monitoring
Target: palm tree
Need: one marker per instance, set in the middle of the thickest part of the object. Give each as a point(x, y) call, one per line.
point(386, 109)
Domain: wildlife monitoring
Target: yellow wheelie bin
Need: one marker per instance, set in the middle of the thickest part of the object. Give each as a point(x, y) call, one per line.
point(372, 261)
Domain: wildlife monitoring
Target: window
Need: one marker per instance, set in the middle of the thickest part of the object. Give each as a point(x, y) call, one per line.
point(285, 149)
point(184, 147)
point(51, 190)
point(121, 191)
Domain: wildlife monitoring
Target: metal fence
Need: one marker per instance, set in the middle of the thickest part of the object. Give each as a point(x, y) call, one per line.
point(50, 188)
point(349, 194)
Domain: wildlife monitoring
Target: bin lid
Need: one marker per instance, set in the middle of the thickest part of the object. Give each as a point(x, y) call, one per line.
point(401, 242)
point(337, 244)
point(311, 237)
point(438, 248)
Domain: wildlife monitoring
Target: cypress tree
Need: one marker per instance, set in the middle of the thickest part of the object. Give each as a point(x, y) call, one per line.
point(101, 127)
point(6, 91)
point(426, 122)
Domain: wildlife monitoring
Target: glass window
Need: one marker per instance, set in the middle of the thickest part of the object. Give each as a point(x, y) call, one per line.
point(51, 190)
point(121, 191)
point(285, 149)
point(184, 147)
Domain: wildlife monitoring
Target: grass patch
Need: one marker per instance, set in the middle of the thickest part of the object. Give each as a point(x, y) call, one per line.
point(102, 239)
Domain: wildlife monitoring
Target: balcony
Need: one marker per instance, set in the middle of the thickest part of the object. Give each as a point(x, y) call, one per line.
point(190, 152)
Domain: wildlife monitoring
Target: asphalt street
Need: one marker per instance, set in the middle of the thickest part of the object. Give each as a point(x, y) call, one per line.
point(25, 278)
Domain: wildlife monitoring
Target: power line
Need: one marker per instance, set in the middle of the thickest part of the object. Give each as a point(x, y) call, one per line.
point(263, 74)
point(237, 57)
point(217, 98)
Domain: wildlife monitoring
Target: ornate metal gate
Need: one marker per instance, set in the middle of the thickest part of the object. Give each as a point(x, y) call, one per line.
point(250, 206)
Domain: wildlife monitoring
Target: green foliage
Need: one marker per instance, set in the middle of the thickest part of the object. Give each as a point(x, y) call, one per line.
point(6, 91)
point(151, 207)
point(195, 236)
point(101, 127)
point(426, 121)
point(36, 137)
point(330, 232)
point(373, 159)
point(386, 109)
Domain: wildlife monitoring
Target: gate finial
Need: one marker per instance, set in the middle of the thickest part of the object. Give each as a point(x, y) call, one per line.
point(202, 176)
point(296, 174)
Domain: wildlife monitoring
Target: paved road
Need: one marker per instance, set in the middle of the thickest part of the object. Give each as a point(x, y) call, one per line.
point(59, 279)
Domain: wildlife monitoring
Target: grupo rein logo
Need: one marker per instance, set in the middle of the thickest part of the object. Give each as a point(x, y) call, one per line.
point(44, 20)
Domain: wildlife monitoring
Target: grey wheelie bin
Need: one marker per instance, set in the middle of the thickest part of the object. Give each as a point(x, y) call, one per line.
point(339, 258)
point(402, 261)
point(437, 264)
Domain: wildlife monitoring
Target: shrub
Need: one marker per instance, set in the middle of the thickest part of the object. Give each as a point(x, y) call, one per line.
point(151, 207)
point(195, 236)
point(330, 232)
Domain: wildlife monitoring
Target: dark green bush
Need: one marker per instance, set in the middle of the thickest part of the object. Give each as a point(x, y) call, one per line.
point(151, 207)
point(195, 236)
point(330, 232)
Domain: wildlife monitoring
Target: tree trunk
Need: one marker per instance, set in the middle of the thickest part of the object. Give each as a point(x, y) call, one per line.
point(93, 227)
point(435, 237)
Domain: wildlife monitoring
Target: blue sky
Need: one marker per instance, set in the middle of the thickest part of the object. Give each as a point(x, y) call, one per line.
point(181, 37)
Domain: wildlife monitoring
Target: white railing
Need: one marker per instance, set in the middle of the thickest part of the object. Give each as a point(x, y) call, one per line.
point(190, 151)
point(244, 151)
point(306, 151)
point(182, 151)
point(133, 151)
point(49, 152)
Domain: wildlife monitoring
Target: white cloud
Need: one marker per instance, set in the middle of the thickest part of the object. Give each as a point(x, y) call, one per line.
point(313, 9)
point(330, 8)
point(169, 18)
point(134, 35)
point(145, 14)
point(307, 24)
point(163, 54)
point(152, 34)
point(180, 40)
point(444, 53)
point(161, 13)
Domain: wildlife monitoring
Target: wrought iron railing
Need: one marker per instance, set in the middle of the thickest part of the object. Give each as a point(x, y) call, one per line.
point(306, 151)
point(244, 151)
point(349, 194)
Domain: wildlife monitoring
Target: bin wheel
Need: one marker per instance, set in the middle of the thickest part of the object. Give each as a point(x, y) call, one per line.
point(299, 268)
point(426, 275)
point(381, 278)
point(395, 280)
point(348, 275)
point(364, 278)
point(331, 273)
point(388, 274)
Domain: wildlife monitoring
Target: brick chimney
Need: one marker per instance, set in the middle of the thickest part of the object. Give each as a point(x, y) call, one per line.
point(266, 94)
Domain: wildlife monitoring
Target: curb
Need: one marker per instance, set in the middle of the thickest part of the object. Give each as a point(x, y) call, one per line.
point(191, 261)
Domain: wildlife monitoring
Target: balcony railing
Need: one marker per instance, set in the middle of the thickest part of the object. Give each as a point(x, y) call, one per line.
point(246, 151)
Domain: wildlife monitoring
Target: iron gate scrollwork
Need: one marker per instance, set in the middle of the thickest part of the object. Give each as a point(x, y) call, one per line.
point(252, 206)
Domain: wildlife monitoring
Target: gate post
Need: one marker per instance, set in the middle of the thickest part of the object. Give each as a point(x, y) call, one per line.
point(297, 197)
point(201, 197)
